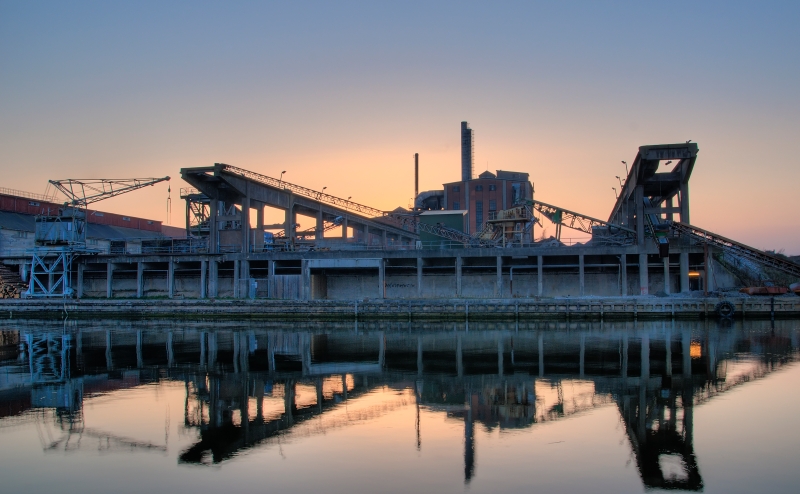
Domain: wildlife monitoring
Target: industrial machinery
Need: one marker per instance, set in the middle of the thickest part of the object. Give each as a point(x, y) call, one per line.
point(62, 236)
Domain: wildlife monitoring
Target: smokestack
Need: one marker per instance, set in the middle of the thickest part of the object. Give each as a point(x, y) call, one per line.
point(467, 152)
point(416, 178)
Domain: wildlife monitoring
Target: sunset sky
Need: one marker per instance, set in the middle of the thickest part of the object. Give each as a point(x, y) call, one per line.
point(342, 94)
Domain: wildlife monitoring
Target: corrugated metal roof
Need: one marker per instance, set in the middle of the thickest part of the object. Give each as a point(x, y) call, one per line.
point(27, 223)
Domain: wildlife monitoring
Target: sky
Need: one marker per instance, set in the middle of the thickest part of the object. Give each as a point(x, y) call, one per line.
point(342, 94)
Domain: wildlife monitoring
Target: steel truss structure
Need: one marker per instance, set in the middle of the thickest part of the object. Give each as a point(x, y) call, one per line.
point(50, 273)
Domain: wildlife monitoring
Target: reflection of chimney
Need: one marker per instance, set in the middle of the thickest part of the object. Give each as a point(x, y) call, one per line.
point(469, 441)
point(416, 177)
point(467, 152)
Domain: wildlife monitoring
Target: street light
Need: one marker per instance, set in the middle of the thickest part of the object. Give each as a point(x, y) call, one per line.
point(620, 182)
point(626, 168)
point(616, 196)
point(280, 181)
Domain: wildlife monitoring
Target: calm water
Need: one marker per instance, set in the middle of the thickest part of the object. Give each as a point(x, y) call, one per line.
point(108, 406)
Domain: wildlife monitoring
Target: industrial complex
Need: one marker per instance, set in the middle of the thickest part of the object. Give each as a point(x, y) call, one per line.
point(474, 238)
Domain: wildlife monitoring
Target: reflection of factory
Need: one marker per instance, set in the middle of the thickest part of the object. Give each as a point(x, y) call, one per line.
point(245, 387)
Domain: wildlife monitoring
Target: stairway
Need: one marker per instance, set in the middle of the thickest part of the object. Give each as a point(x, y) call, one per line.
point(11, 284)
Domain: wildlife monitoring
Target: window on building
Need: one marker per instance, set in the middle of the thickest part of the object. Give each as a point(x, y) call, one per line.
point(516, 193)
point(33, 203)
point(479, 188)
point(126, 218)
point(456, 205)
point(492, 187)
point(493, 205)
point(478, 215)
point(98, 213)
point(456, 188)
point(492, 215)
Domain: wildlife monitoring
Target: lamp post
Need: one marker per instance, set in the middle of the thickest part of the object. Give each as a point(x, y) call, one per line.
point(616, 196)
point(626, 168)
point(620, 182)
point(280, 181)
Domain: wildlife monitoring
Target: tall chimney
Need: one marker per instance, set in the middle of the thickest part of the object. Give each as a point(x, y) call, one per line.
point(416, 178)
point(467, 152)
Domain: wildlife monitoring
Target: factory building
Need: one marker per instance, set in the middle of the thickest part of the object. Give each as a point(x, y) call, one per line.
point(480, 197)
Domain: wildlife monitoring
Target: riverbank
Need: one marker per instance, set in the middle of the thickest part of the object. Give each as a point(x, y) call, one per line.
point(388, 309)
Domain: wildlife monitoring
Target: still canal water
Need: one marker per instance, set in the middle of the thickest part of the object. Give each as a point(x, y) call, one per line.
point(109, 406)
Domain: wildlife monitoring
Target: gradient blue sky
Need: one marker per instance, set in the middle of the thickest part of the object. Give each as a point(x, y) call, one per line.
point(342, 94)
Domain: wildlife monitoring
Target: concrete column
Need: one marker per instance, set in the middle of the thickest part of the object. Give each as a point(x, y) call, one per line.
point(459, 357)
point(666, 275)
point(344, 227)
point(213, 234)
point(109, 359)
point(203, 278)
point(539, 276)
point(246, 224)
point(419, 277)
point(213, 278)
point(81, 268)
point(685, 203)
point(670, 205)
point(171, 278)
point(384, 241)
point(236, 278)
point(581, 275)
point(244, 277)
point(684, 272)
point(498, 287)
point(459, 263)
point(203, 357)
point(382, 279)
point(639, 204)
point(381, 349)
point(623, 274)
point(260, 217)
point(643, 280)
point(306, 270)
point(109, 279)
point(139, 279)
point(320, 227)
point(290, 221)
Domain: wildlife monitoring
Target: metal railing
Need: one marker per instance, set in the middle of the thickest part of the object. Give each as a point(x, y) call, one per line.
point(28, 195)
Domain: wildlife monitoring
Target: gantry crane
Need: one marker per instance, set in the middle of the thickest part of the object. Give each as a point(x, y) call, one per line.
point(62, 236)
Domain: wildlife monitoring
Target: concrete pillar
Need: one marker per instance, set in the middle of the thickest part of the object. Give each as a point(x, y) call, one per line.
point(245, 220)
point(213, 278)
point(581, 275)
point(459, 263)
point(109, 280)
point(203, 356)
point(639, 203)
point(643, 280)
point(459, 357)
point(685, 203)
point(381, 349)
point(203, 278)
point(539, 276)
point(344, 227)
point(320, 226)
point(382, 279)
point(81, 268)
point(236, 279)
point(498, 286)
point(684, 272)
point(306, 270)
point(213, 234)
point(384, 241)
point(290, 220)
point(139, 279)
point(670, 204)
point(623, 274)
point(171, 278)
point(244, 277)
point(666, 275)
point(419, 277)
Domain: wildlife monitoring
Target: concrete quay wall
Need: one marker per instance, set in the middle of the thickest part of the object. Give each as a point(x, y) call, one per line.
point(401, 309)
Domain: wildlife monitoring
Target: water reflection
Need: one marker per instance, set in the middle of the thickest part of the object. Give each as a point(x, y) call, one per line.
point(246, 386)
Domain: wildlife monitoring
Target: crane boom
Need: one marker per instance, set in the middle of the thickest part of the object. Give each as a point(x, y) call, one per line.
point(82, 192)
